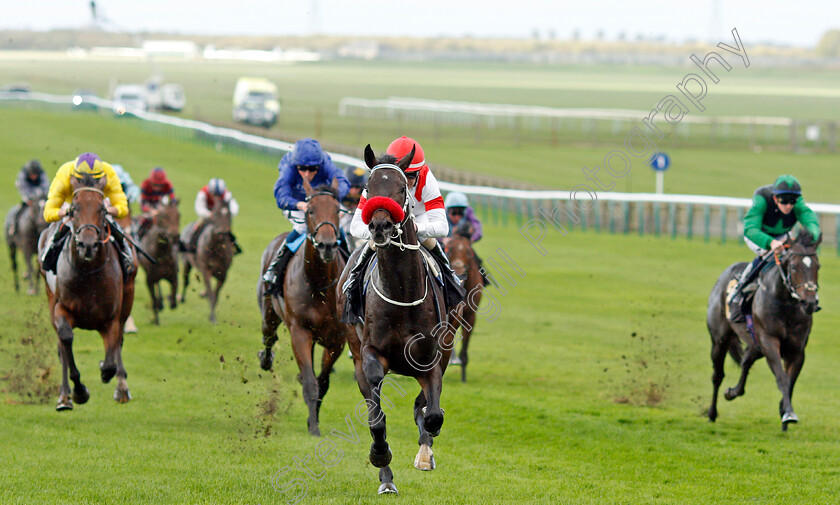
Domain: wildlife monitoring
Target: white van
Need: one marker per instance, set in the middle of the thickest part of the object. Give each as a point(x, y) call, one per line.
point(254, 88)
point(128, 98)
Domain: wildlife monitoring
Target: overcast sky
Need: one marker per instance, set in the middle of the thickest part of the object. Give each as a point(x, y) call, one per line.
point(782, 21)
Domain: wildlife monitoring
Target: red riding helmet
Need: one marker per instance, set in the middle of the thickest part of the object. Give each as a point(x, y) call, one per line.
point(158, 176)
point(402, 146)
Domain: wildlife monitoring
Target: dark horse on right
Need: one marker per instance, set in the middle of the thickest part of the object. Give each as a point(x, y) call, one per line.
point(462, 257)
point(405, 327)
point(161, 241)
point(782, 313)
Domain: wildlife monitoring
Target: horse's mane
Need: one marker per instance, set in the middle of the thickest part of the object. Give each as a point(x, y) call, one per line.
point(805, 239)
point(388, 158)
point(326, 188)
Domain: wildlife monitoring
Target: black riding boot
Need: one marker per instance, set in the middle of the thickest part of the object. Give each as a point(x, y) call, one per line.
point(20, 211)
point(737, 296)
point(452, 288)
point(353, 308)
point(236, 248)
point(53, 250)
point(126, 258)
point(276, 272)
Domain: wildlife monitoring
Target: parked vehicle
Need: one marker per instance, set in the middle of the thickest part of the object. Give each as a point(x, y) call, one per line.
point(254, 111)
point(255, 101)
point(164, 96)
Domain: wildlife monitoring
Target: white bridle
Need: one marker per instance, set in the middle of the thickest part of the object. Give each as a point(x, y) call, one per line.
point(408, 209)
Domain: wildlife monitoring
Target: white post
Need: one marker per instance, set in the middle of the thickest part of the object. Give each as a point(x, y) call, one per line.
point(660, 181)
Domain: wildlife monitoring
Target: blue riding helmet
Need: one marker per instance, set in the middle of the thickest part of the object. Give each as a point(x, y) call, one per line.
point(217, 186)
point(456, 199)
point(308, 153)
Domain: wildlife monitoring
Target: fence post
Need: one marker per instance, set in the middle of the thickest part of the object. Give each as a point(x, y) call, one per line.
point(707, 215)
point(837, 232)
point(690, 221)
point(723, 212)
point(611, 215)
point(672, 209)
point(596, 215)
point(640, 209)
point(656, 219)
point(625, 209)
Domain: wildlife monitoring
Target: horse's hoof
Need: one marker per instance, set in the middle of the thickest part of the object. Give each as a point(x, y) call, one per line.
point(181, 299)
point(80, 395)
point(107, 373)
point(787, 419)
point(31, 292)
point(454, 360)
point(64, 403)
point(424, 460)
point(266, 359)
point(388, 488)
point(122, 396)
point(130, 327)
point(203, 294)
point(730, 394)
point(314, 430)
point(379, 460)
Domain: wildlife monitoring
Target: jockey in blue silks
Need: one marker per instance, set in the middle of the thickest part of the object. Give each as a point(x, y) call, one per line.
point(307, 160)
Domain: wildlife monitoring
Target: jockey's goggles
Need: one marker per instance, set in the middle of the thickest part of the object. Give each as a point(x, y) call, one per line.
point(411, 175)
point(787, 199)
point(456, 211)
point(308, 168)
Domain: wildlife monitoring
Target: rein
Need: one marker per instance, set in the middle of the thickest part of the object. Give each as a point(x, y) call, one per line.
point(403, 304)
point(311, 236)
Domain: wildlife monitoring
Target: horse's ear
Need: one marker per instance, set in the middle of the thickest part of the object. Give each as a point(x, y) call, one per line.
point(334, 184)
point(370, 158)
point(406, 160)
point(307, 187)
point(819, 240)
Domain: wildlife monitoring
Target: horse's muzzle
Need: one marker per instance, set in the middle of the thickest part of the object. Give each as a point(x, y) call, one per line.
point(381, 231)
point(87, 250)
point(328, 251)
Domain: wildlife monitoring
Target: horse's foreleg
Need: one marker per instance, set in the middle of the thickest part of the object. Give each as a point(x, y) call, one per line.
point(64, 330)
point(720, 346)
point(173, 293)
point(30, 275)
point(327, 361)
point(151, 285)
point(187, 268)
point(750, 356)
point(425, 459)
point(466, 332)
point(774, 361)
point(793, 368)
point(432, 384)
point(302, 345)
point(111, 340)
point(210, 293)
point(13, 257)
point(374, 372)
point(270, 322)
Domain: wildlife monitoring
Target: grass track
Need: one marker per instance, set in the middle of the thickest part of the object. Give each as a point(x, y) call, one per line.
point(555, 411)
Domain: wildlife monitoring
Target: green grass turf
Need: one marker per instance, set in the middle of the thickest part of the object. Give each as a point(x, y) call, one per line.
point(587, 388)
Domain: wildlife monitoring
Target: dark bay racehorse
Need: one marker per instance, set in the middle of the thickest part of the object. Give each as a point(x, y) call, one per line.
point(461, 256)
point(161, 242)
point(308, 305)
point(88, 291)
point(213, 253)
point(782, 313)
point(405, 316)
point(28, 228)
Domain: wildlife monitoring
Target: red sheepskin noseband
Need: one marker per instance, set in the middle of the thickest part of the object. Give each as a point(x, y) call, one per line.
point(385, 203)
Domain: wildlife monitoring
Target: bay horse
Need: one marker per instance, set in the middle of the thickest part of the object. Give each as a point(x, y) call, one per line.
point(782, 312)
point(88, 291)
point(161, 241)
point(309, 301)
point(462, 257)
point(405, 316)
point(213, 253)
point(23, 235)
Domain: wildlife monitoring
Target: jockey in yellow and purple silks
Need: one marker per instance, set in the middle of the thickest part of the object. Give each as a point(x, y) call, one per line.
point(61, 193)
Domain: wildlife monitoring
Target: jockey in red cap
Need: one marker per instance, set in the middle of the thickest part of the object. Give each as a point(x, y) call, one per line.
point(429, 216)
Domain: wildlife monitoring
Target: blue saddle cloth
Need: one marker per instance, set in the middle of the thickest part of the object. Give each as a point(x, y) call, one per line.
point(294, 245)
